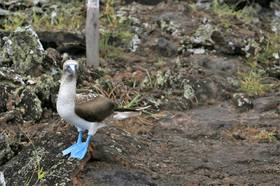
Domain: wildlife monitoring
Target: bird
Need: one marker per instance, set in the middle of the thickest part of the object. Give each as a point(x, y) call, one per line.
point(86, 115)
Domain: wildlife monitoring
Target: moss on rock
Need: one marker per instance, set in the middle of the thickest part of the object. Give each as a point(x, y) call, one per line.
point(46, 90)
point(30, 105)
point(25, 50)
point(7, 148)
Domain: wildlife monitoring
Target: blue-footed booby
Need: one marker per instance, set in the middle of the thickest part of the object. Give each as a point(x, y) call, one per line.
point(86, 115)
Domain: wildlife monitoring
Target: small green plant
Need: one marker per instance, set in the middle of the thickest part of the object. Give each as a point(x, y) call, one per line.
point(117, 91)
point(36, 162)
point(264, 55)
point(271, 46)
point(225, 11)
point(134, 102)
point(41, 22)
point(193, 6)
point(115, 32)
point(108, 14)
point(59, 22)
point(251, 83)
point(41, 174)
point(65, 18)
point(149, 81)
point(16, 20)
point(159, 79)
point(107, 50)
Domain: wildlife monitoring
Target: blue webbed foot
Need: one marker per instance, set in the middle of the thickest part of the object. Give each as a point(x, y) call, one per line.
point(81, 150)
point(73, 147)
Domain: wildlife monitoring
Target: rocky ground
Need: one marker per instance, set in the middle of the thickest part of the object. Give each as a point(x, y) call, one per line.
point(206, 73)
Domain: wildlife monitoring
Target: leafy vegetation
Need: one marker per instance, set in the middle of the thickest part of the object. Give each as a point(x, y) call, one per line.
point(114, 31)
point(251, 83)
point(226, 11)
point(71, 18)
point(16, 20)
point(61, 19)
point(266, 54)
point(134, 102)
point(118, 91)
point(38, 169)
point(270, 48)
point(107, 50)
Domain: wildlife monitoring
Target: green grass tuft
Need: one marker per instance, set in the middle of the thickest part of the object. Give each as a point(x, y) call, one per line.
point(251, 83)
point(225, 11)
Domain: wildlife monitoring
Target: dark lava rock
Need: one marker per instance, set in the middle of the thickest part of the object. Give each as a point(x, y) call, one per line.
point(14, 5)
point(27, 95)
point(72, 43)
point(30, 105)
point(166, 48)
point(189, 147)
point(29, 75)
point(4, 95)
point(53, 58)
point(239, 4)
point(8, 75)
point(42, 157)
point(218, 65)
point(211, 36)
point(212, 78)
point(46, 89)
point(25, 50)
point(266, 103)
point(145, 2)
point(8, 149)
point(109, 174)
point(9, 81)
point(274, 70)
point(205, 90)
point(224, 46)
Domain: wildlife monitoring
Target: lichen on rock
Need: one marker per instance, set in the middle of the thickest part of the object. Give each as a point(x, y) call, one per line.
point(46, 89)
point(9, 81)
point(29, 74)
point(30, 105)
point(25, 50)
point(8, 148)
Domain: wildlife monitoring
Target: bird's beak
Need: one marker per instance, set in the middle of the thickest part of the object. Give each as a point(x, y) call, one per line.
point(73, 68)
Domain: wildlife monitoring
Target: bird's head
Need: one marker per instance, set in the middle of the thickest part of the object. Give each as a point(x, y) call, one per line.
point(70, 68)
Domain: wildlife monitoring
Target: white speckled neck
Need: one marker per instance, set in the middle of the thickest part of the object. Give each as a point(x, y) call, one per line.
point(66, 97)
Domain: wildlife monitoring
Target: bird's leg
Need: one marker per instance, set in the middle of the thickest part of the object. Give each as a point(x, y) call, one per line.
point(74, 146)
point(80, 137)
point(81, 150)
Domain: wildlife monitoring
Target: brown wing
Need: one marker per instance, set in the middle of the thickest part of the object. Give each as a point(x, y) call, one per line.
point(95, 110)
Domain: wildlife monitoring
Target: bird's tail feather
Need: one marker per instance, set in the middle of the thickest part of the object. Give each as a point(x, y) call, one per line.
point(125, 115)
